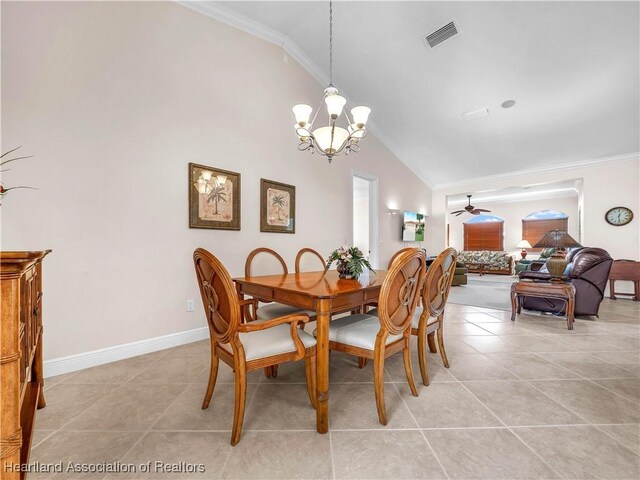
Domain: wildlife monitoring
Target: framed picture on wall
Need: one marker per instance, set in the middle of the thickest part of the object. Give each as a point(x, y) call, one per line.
point(277, 207)
point(214, 198)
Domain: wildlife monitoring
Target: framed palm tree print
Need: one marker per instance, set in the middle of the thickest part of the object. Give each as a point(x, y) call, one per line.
point(277, 207)
point(214, 198)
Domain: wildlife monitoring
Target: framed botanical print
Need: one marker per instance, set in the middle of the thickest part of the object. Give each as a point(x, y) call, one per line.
point(277, 207)
point(214, 198)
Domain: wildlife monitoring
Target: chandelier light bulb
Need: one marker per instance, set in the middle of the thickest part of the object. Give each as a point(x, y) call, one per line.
point(360, 115)
point(335, 103)
point(330, 139)
point(302, 113)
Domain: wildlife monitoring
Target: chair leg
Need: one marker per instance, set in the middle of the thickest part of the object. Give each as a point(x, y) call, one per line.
point(406, 355)
point(443, 353)
point(267, 372)
point(310, 374)
point(422, 354)
point(431, 338)
point(213, 375)
point(240, 401)
point(362, 362)
point(274, 371)
point(378, 380)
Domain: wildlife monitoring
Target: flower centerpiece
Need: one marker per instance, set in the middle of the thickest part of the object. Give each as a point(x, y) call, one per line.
point(351, 262)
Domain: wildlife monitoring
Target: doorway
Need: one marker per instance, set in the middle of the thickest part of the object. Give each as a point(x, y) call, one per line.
point(365, 215)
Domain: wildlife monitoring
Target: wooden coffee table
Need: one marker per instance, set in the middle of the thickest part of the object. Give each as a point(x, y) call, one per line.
point(477, 266)
point(528, 288)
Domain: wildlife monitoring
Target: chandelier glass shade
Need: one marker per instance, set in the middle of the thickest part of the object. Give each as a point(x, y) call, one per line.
point(331, 139)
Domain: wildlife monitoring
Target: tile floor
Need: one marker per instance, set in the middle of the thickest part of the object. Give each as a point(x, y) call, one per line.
point(521, 400)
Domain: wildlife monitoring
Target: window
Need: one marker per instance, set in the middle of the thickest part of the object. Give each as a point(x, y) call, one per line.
point(536, 224)
point(484, 232)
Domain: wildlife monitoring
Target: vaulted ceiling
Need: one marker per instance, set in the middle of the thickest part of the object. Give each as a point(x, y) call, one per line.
point(573, 69)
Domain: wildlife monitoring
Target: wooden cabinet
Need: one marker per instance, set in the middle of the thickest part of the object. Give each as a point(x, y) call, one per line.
point(21, 381)
point(625, 270)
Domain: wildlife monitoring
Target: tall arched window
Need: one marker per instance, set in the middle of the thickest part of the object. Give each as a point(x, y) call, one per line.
point(484, 232)
point(536, 224)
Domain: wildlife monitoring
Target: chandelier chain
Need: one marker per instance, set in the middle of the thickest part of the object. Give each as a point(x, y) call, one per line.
point(330, 43)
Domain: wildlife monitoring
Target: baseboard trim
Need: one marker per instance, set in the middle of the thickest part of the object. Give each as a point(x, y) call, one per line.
point(80, 361)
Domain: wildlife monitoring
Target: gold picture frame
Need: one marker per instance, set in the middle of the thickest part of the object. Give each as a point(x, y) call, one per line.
point(277, 207)
point(214, 198)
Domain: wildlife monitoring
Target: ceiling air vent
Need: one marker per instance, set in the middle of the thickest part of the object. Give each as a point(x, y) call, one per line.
point(450, 30)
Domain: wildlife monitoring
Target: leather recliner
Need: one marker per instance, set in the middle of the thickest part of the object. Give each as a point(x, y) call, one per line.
point(588, 270)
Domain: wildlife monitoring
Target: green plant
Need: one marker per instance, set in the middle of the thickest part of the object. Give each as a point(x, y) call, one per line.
point(3, 190)
point(351, 258)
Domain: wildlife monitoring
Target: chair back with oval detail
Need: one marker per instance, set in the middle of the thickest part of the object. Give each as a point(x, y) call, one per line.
point(309, 253)
point(398, 253)
point(264, 261)
point(401, 290)
point(219, 296)
point(438, 282)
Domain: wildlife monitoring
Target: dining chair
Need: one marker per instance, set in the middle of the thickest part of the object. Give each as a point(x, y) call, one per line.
point(377, 338)
point(270, 260)
point(428, 320)
point(310, 252)
point(247, 346)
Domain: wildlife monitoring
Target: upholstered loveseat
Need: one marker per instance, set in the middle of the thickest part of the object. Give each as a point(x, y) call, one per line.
point(499, 262)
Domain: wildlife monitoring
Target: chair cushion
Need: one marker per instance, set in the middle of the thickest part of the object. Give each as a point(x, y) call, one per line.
point(275, 310)
point(358, 331)
point(272, 341)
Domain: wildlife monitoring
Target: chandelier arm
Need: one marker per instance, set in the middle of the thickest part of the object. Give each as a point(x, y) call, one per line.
point(315, 115)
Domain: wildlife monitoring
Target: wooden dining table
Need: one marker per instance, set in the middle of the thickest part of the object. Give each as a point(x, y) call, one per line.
point(326, 294)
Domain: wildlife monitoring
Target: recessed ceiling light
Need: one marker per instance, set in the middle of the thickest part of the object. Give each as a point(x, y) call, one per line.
point(508, 103)
point(475, 114)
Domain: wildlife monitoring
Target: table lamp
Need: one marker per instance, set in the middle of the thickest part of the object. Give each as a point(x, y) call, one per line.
point(523, 244)
point(556, 264)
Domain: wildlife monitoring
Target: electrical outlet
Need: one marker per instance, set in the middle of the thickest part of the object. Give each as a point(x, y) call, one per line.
point(190, 306)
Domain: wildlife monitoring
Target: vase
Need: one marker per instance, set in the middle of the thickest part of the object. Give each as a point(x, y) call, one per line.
point(343, 270)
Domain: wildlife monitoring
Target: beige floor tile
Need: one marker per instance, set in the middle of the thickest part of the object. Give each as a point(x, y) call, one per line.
point(200, 455)
point(130, 407)
point(225, 374)
point(586, 365)
point(281, 455)
point(353, 406)
point(627, 360)
point(590, 401)
point(454, 329)
point(172, 369)
point(540, 343)
point(280, 407)
point(588, 343)
point(66, 401)
point(386, 454)
point(290, 372)
point(195, 349)
point(452, 344)
point(555, 326)
point(626, 343)
point(53, 381)
point(627, 387)
point(622, 328)
point(40, 435)
point(626, 435)
point(508, 328)
point(478, 367)
point(394, 367)
point(186, 412)
point(480, 317)
point(530, 366)
point(518, 403)
point(493, 453)
point(582, 452)
point(82, 448)
point(116, 372)
point(493, 344)
point(448, 405)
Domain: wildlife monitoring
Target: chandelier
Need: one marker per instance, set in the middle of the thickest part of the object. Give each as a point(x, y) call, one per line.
point(331, 140)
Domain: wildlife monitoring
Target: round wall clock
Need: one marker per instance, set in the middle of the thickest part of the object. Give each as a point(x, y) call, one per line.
point(619, 216)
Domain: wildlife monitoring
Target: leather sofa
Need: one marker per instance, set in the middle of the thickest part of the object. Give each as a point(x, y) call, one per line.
point(459, 274)
point(499, 262)
point(588, 270)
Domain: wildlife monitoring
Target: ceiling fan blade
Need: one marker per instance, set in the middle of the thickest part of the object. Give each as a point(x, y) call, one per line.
point(458, 214)
point(458, 211)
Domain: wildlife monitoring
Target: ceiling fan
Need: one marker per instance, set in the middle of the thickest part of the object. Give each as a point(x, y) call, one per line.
point(470, 209)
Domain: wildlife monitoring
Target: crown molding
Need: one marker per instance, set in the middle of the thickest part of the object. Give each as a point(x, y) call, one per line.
point(564, 166)
point(239, 21)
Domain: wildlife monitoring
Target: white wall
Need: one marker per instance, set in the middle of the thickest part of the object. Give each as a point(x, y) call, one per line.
point(604, 185)
point(114, 99)
point(513, 213)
